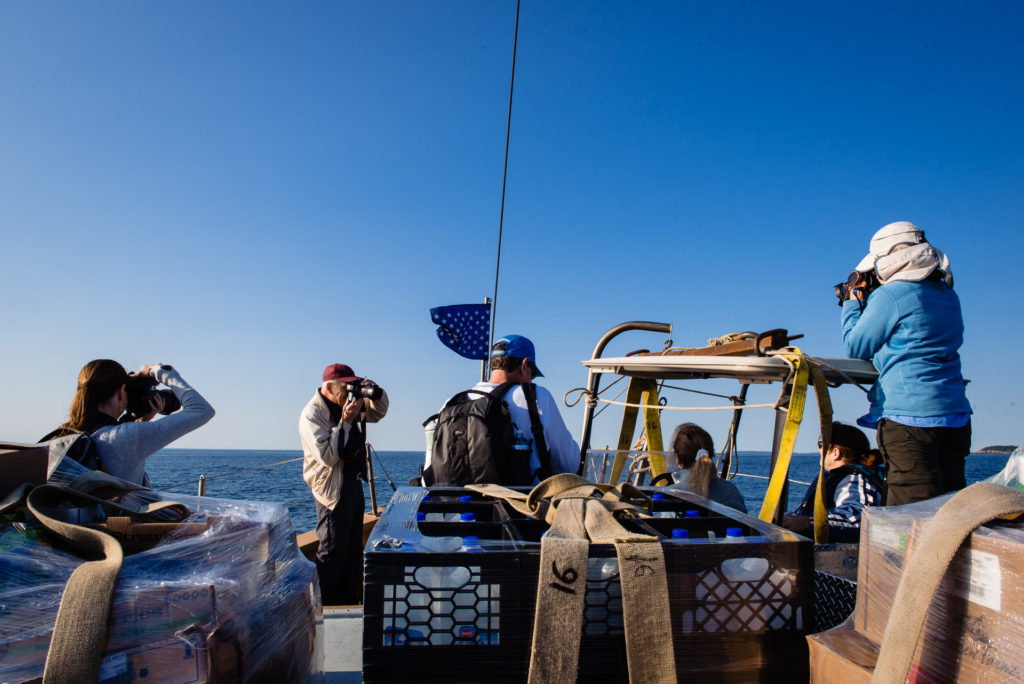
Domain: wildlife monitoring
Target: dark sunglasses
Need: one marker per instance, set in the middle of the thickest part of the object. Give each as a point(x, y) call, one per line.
point(820, 443)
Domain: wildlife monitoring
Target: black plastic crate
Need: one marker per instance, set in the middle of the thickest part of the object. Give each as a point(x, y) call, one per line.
point(739, 610)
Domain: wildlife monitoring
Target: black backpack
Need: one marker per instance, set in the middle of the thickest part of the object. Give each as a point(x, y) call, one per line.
point(474, 441)
point(76, 445)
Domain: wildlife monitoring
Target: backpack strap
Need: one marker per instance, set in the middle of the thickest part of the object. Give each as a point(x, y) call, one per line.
point(544, 472)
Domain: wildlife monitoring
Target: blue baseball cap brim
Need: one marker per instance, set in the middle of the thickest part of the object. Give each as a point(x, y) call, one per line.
point(519, 347)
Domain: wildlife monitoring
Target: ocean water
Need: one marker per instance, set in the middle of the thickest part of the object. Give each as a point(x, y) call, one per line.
point(277, 475)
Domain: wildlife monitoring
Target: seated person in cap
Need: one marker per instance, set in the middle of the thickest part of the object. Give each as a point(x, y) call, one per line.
point(513, 359)
point(854, 478)
point(334, 458)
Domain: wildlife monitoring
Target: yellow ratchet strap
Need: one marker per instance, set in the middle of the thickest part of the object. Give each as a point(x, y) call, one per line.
point(825, 418)
point(652, 425)
point(794, 415)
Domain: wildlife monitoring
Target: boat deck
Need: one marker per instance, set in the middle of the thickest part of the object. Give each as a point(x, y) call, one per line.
point(343, 645)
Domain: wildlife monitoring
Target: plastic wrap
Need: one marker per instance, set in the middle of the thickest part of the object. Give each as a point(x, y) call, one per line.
point(975, 625)
point(454, 598)
point(1012, 474)
point(223, 596)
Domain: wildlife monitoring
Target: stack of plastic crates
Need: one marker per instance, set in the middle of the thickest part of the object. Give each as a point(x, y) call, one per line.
point(451, 582)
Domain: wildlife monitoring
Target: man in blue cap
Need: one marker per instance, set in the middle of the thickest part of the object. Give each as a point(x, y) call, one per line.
point(513, 359)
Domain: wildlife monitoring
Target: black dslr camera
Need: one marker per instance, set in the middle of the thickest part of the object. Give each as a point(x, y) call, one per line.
point(357, 391)
point(869, 283)
point(140, 389)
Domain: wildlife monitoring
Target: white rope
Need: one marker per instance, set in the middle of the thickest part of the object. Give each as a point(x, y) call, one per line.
point(688, 408)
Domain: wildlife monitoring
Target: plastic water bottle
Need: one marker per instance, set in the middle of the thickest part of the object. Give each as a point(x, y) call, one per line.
point(471, 544)
point(441, 583)
point(435, 517)
point(680, 533)
point(602, 575)
point(661, 514)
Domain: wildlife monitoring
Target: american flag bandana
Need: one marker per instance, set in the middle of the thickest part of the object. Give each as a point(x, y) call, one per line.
point(464, 328)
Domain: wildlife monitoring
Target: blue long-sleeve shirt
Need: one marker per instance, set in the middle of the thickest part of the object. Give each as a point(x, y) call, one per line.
point(911, 332)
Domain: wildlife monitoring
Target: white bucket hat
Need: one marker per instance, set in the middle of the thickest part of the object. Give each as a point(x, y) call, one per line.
point(899, 251)
point(888, 238)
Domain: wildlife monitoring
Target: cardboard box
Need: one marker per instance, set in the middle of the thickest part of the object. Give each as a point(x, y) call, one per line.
point(190, 659)
point(974, 630)
point(149, 615)
point(21, 463)
point(843, 655)
point(885, 534)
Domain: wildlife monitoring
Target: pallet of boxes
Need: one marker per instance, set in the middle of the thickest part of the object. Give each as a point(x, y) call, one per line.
point(973, 630)
point(219, 595)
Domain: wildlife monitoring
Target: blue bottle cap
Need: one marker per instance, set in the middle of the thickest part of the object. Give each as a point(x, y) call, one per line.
point(680, 533)
point(692, 513)
point(464, 498)
point(471, 539)
point(658, 497)
point(420, 516)
point(426, 497)
point(468, 517)
point(734, 532)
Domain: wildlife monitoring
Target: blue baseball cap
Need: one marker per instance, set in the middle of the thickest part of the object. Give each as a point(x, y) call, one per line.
point(519, 347)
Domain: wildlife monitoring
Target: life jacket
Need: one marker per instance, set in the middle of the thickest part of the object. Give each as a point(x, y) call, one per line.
point(874, 474)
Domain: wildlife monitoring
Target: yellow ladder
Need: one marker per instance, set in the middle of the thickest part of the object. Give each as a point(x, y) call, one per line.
point(641, 391)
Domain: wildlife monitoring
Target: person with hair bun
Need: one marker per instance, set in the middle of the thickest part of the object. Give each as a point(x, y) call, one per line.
point(854, 478)
point(693, 448)
point(124, 444)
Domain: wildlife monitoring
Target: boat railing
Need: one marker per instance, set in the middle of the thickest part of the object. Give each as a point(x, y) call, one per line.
point(639, 466)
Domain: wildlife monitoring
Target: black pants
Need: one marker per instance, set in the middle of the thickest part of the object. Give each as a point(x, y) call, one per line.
point(923, 462)
point(339, 560)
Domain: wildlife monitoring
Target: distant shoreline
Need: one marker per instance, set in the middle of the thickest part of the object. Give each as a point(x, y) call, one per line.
point(997, 449)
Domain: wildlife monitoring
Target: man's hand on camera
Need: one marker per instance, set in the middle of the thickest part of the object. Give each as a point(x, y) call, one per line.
point(350, 412)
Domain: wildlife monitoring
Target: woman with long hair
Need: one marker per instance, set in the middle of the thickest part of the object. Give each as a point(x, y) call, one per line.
point(693, 448)
point(124, 444)
point(854, 478)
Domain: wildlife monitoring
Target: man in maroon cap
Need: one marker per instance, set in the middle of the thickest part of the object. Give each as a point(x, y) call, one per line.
point(334, 451)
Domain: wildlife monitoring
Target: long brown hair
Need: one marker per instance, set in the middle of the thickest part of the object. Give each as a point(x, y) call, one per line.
point(687, 441)
point(97, 382)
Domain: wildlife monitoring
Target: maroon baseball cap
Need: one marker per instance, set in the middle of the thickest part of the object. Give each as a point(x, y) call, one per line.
point(339, 371)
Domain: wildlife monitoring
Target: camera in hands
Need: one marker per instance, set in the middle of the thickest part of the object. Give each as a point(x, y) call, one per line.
point(865, 283)
point(141, 389)
point(357, 391)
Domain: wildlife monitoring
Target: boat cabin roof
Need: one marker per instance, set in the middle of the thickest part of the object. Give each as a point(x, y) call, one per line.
point(746, 369)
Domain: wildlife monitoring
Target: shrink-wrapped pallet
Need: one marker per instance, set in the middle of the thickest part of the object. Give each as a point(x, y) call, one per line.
point(224, 595)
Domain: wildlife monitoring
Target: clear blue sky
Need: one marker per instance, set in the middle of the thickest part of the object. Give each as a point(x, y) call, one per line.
point(250, 191)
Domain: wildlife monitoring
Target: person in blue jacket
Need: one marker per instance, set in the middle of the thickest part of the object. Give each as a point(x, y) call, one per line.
point(910, 327)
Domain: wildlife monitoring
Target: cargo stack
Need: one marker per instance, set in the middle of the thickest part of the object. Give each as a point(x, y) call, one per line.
point(974, 631)
point(223, 597)
point(451, 584)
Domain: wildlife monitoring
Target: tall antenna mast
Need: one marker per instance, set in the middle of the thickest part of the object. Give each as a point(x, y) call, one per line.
point(504, 177)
